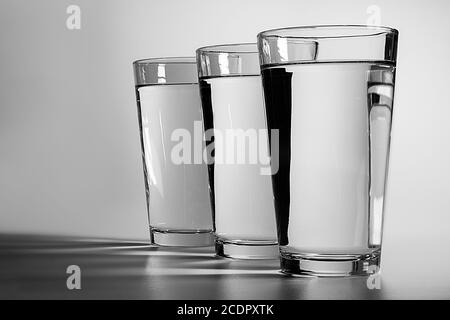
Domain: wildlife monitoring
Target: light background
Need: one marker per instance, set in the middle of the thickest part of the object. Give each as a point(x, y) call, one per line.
point(69, 148)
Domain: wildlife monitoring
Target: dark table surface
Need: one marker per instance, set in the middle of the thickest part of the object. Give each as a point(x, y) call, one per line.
point(35, 268)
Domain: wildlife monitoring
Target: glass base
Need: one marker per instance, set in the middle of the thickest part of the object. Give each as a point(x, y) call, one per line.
point(182, 238)
point(319, 265)
point(247, 249)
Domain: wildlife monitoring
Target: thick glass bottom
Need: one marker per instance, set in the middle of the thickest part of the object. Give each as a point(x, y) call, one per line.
point(182, 238)
point(241, 249)
point(335, 265)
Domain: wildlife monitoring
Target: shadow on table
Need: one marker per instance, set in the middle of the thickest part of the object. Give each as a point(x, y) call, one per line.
point(35, 268)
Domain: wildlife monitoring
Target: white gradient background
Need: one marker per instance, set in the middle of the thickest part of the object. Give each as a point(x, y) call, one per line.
point(69, 149)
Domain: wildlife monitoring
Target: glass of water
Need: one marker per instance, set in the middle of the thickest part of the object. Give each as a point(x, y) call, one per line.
point(329, 91)
point(238, 156)
point(176, 182)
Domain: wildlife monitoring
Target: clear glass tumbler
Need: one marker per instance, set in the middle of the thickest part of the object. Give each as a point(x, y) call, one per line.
point(234, 119)
point(170, 117)
point(329, 91)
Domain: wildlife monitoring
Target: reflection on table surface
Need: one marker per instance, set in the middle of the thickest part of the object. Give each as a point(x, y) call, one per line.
point(35, 268)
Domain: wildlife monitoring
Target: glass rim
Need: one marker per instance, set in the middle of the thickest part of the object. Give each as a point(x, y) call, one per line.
point(165, 71)
point(364, 31)
point(166, 60)
point(231, 48)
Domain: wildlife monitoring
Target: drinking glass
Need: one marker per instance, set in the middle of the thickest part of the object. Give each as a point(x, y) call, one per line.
point(170, 115)
point(329, 91)
point(234, 120)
